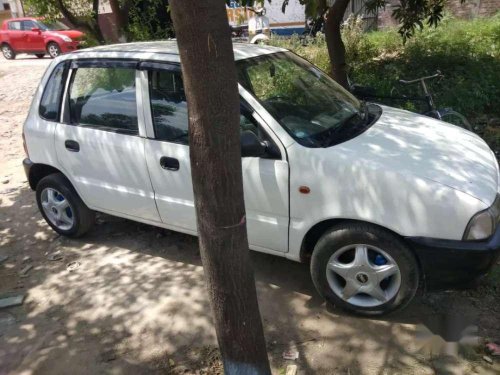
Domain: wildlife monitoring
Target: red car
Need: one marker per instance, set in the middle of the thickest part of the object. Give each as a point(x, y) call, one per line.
point(37, 37)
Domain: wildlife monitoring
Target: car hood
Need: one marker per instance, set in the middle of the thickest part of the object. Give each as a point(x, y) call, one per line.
point(407, 143)
point(73, 34)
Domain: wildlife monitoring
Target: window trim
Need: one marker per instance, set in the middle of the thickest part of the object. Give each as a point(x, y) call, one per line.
point(100, 63)
point(61, 94)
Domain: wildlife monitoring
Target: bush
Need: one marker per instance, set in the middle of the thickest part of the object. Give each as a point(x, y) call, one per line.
point(466, 52)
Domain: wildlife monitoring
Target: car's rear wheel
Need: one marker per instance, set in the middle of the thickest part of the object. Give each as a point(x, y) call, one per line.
point(62, 208)
point(364, 269)
point(40, 55)
point(53, 50)
point(8, 52)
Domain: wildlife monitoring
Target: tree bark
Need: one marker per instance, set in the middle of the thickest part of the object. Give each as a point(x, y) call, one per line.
point(98, 31)
point(334, 43)
point(121, 16)
point(210, 83)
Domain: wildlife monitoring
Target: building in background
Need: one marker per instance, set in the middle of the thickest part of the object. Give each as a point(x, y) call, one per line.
point(468, 10)
point(10, 8)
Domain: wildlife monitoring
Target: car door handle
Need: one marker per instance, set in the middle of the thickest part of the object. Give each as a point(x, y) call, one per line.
point(170, 164)
point(72, 146)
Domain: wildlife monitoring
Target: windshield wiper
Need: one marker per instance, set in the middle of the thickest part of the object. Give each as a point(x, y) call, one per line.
point(363, 114)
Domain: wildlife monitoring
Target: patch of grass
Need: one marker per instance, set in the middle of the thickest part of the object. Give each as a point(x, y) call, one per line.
point(467, 52)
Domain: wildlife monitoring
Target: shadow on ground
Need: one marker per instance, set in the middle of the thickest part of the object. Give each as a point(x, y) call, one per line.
point(137, 304)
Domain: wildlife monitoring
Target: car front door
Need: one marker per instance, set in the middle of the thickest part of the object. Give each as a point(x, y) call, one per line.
point(265, 180)
point(32, 40)
point(101, 141)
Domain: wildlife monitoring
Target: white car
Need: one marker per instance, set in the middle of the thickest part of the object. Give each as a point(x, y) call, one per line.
point(378, 200)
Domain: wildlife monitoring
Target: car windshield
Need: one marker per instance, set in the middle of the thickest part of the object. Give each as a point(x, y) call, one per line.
point(313, 109)
point(52, 25)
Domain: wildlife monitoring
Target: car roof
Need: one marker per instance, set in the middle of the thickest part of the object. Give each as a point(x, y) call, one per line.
point(23, 19)
point(165, 50)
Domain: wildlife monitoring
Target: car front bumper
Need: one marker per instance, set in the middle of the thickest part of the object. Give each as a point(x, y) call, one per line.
point(452, 264)
point(70, 46)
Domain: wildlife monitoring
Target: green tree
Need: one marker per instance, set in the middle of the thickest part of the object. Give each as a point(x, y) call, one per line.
point(411, 15)
point(83, 14)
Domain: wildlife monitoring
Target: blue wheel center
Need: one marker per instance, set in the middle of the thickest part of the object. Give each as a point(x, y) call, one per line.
point(380, 260)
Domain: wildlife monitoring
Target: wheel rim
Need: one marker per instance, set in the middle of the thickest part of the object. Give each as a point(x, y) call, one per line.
point(53, 50)
point(7, 52)
point(363, 275)
point(57, 209)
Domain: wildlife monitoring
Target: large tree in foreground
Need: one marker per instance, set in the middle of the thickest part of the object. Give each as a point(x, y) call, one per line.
point(411, 15)
point(209, 75)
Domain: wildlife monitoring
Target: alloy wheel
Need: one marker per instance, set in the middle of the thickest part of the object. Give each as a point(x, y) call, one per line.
point(57, 209)
point(363, 275)
point(7, 52)
point(53, 50)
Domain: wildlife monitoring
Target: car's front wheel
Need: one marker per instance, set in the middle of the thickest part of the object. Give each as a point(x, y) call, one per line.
point(8, 52)
point(53, 50)
point(62, 208)
point(364, 269)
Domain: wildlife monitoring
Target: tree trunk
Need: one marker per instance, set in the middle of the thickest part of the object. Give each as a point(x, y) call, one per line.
point(334, 43)
point(121, 16)
point(210, 83)
point(97, 32)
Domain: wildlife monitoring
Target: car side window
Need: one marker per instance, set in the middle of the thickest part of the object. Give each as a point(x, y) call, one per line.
point(104, 98)
point(28, 25)
point(168, 106)
point(50, 104)
point(15, 25)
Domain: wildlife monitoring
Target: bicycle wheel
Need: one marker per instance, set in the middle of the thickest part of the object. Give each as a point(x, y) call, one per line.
point(452, 117)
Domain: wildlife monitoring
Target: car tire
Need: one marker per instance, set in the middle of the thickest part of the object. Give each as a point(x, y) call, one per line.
point(62, 208)
point(40, 55)
point(53, 50)
point(8, 52)
point(354, 283)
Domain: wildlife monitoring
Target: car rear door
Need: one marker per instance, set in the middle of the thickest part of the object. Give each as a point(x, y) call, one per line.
point(265, 180)
point(100, 143)
point(15, 33)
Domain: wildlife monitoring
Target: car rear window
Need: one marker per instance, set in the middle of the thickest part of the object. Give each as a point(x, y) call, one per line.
point(15, 25)
point(50, 104)
point(104, 98)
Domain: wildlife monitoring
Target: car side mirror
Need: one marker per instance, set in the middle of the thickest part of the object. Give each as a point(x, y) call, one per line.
point(251, 145)
point(36, 30)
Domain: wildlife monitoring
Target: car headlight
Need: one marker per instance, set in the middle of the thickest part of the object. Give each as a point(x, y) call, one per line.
point(66, 38)
point(483, 224)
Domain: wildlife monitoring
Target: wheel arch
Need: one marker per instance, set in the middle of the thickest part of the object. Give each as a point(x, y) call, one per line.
point(39, 171)
point(53, 41)
point(317, 230)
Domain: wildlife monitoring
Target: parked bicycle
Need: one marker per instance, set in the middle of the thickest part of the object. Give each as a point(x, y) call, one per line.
point(444, 114)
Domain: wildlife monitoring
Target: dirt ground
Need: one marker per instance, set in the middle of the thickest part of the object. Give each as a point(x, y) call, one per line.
point(136, 302)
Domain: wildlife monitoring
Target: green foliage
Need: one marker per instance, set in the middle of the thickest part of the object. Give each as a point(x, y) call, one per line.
point(466, 52)
point(49, 9)
point(149, 20)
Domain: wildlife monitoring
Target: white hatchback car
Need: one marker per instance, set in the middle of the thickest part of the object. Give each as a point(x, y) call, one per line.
point(380, 200)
